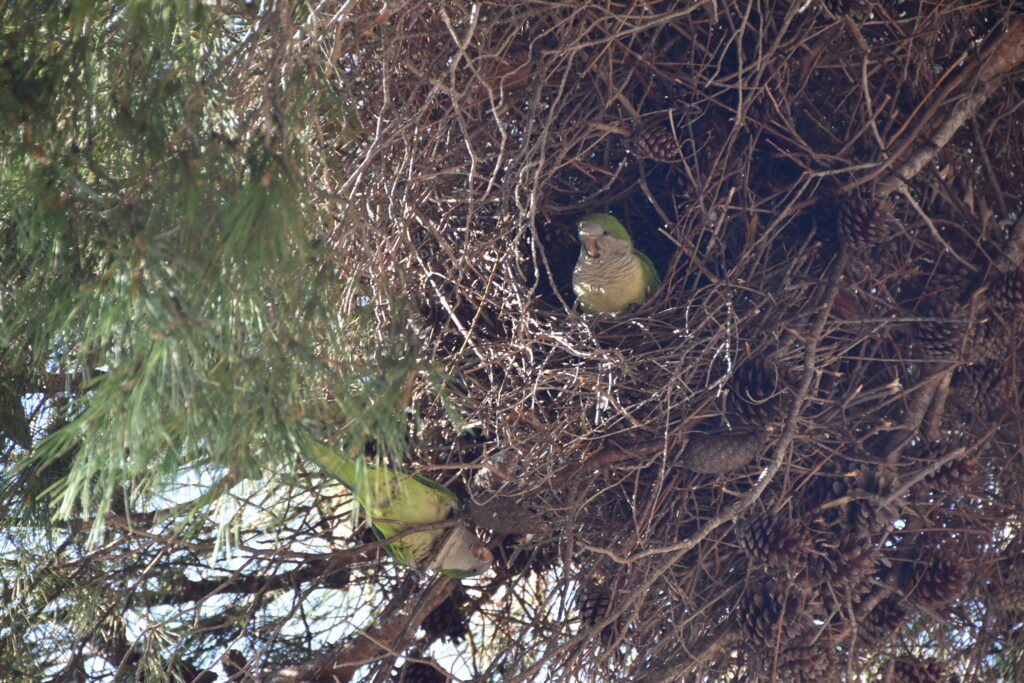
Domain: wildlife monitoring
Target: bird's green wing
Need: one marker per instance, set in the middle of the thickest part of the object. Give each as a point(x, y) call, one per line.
point(403, 499)
point(651, 278)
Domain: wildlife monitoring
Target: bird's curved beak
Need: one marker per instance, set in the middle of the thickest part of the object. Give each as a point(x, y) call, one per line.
point(590, 244)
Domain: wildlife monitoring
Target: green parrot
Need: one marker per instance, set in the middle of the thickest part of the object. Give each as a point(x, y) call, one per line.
point(405, 499)
point(610, 273)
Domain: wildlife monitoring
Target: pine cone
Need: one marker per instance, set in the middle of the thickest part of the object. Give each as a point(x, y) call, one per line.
point(857, 514)
point(980, 389)
point(988, 340)
point(807, 664)
point(1006, 292)
point(446, 621)
point(1008, 599)
point(777, 541)
point(755, 537)
point(865, 222)
point(914, 670)
point(770, 616)
point(954, 475)
point(593, 600)
point(881, 622)
point(827, 486)
point(418, 672)
point(849, 563)
point(234, 663)
point(940, 582)
point(817, 507)
point(865, 517)
point(939, 339)
point(656, 141)
point(722, 452)
point(836, 597)
point(950, 283)
point(757, 395)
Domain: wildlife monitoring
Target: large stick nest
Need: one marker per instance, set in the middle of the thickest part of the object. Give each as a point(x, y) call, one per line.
point(810, 435)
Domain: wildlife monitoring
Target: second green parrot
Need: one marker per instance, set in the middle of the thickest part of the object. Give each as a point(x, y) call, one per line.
point(611, 273)
point(393, 501)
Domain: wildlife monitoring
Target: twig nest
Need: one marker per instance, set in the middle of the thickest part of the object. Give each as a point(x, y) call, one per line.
point(505, 516)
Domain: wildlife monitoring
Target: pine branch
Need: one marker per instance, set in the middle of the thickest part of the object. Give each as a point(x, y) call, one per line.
point(326, 573)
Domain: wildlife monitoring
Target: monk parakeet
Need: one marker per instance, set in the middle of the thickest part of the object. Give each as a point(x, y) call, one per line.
point(610, 273)
point(392, 500)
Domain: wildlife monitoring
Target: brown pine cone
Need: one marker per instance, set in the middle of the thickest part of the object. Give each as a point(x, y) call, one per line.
point(988, 339)
point(447, 621)
point(770, 616)
point(776, 541)
point(807, 664)
point(593, 600)
point(827, 486)
point(954, 475)
point(755, 537)
point(817, 507)
point(418, 672)
point(722, 452)
point(849, 563)
point(866, 517)
point(655, 141)
point(879, 624)
point(845, 504)
point(1006, 292)
point(757, 394)
point(950, 283)
point(980, 389)
point(1008, 599)
point(939, 582)
point(864, 221)
point(939, 339)
point(914, 670)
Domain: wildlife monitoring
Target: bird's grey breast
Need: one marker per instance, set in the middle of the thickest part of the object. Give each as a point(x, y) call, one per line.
point(614, 263)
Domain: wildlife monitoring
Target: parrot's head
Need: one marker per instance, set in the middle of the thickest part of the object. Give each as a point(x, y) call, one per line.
point(600, 233)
